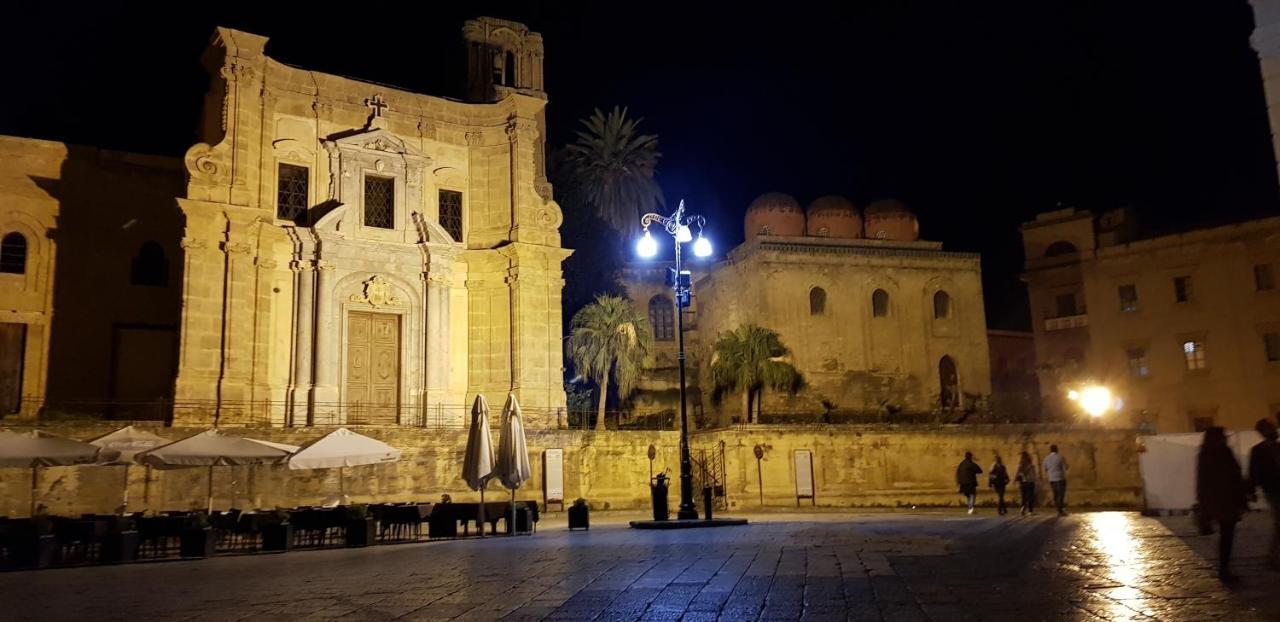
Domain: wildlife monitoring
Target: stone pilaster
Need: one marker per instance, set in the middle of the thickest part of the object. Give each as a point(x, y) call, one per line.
point(304, 320)
point(328, 351)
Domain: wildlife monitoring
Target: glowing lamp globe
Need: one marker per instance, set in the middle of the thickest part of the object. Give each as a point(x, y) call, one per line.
point(702, 248)
point(683, 234)
point(647, 246)
point(1095, 400)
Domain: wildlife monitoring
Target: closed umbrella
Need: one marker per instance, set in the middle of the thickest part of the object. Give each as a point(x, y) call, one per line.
point(130, 442)
point(477, 464)
point(513, 454)
point(32, 450)
point(209, 449)
point(342, 448)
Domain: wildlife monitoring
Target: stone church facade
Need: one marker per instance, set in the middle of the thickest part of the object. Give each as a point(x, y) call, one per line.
point(877, 320)
point(352, 253)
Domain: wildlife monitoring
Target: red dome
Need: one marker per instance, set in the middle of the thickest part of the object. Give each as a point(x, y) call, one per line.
point(774, 214)
point(889, 219)
point(833, 216)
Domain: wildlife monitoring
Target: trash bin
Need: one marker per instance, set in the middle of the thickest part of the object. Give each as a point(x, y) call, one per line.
point(659, 491)
point(708, 501)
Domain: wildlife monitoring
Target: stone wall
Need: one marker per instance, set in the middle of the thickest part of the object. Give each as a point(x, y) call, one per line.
point(854, 466)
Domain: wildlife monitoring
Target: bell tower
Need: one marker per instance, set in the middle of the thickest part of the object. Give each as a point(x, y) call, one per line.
point(503, 57)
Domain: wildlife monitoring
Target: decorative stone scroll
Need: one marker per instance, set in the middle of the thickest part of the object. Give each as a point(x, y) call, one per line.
point(377, 292)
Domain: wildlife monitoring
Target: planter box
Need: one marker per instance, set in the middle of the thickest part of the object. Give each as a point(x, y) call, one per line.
point(524, 522)
point(199, 542)
point(277, 537)
point(361, 531)
point(30, 551)
point(120, 547)
point(579, 517)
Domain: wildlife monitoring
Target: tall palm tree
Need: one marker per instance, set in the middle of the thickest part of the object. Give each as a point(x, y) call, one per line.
point(748, 359)
point(609, 339)
point(612, 166)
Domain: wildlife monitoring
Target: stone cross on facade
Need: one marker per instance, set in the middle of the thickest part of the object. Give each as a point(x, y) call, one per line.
point(378, 105)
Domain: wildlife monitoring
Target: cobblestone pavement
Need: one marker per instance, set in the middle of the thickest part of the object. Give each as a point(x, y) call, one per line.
point(918, 566)
point(1249, 559)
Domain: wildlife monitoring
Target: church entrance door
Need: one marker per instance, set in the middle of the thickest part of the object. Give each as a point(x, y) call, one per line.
point(373, 368)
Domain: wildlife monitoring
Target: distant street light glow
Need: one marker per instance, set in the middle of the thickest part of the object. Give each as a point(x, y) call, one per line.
point(702, 248)
point(683, 234)
point(1095, 400)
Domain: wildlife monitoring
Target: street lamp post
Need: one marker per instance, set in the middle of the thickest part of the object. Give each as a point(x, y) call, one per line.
point(677, 226)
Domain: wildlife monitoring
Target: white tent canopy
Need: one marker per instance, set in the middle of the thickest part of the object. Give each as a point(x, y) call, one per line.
point(343, 448)
point(130, 442)
point(212, 448)
point(1168, 466)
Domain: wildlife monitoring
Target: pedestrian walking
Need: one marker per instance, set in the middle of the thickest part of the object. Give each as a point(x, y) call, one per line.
point(998, 479)
point(1055, 470)
point(967, 477)
point(1026, 477)
point(1264, 473)
point(1220, 494)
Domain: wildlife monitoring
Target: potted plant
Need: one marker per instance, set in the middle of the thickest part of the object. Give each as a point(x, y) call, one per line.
point(35, 547)
point(121, 542)
point(198, 538)
point(579, 514)
point(361, 527)
point(277, 532)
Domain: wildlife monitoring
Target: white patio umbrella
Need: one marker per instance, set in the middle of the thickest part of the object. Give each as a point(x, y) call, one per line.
point(35, 449)
point(130, 442)
point(209, 449)
point(477, 464)
point(340, 449)
point(513, 454)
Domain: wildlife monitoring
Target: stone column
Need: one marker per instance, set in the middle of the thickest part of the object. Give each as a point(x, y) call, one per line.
point(437, 355)
point(324, 396)
point(304, 319)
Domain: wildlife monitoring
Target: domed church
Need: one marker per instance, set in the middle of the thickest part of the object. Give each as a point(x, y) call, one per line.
point(876, 319)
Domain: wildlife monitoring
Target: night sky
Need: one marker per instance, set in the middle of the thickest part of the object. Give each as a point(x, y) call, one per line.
point(976, 116)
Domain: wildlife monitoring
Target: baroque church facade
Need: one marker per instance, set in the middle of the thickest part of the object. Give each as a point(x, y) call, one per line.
point(877, 321)
point(335, 252)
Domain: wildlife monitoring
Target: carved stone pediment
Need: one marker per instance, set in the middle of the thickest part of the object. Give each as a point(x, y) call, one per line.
point(378, 292)
point(381, 141)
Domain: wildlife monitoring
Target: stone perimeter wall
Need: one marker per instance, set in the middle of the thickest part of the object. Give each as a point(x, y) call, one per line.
point(854, 466)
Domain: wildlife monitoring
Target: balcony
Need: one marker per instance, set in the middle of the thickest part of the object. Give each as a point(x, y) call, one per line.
point(1066, 322)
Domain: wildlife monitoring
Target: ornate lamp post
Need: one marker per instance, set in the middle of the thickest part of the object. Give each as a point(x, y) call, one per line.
point(677, 226)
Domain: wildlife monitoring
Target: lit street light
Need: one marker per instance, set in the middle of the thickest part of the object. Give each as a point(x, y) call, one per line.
point(677, 226)
point(1094, 400)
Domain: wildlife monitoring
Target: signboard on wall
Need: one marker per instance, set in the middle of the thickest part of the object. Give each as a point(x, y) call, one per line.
point(804, 474)
point(553, 474)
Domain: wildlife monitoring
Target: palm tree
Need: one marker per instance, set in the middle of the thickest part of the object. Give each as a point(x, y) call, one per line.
point(609, 338)
point(749, 359)
point(612, 167)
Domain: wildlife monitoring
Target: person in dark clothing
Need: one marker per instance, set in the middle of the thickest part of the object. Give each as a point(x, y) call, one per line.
point(1220, 493)
point(1264, 473)
point(967, 477)
point(998, 479)
point(1026, 477)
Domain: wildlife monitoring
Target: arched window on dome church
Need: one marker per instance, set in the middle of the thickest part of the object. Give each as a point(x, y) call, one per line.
point(13, 253)
point(941, 305)
point(1060, 248)
point(817, 301)
point(880, 303)
point(662, 318)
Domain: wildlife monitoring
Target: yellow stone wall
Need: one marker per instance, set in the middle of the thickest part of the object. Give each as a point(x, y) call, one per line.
point(1226, 312)
point(854, 466)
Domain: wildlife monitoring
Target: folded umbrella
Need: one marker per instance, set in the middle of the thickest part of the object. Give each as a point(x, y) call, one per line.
point(477, 464)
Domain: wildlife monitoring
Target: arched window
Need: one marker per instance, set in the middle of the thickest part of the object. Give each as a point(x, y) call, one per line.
point(662, 318)
point(880, 303)
point(1060, 248)
point(764, 230)
point(150, 267)
point(13, 254)
point(941, 305)
point(817, 301)
point(509, 67)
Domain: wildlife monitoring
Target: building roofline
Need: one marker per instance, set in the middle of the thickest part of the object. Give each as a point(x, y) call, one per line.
point(79, 151)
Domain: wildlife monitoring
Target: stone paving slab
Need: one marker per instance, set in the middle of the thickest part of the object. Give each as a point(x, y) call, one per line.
point(830, 566)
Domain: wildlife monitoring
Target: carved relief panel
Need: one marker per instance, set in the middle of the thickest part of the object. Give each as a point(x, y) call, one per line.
point(375, 172)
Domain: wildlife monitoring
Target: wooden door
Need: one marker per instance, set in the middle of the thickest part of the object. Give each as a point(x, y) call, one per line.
point(13, 341)
point(373, 368)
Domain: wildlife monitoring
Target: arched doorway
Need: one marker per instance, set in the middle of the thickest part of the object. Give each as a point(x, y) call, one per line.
point(948, 383)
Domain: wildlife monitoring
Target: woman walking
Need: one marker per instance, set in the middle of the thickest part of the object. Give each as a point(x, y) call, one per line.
point(1026, 478)
point(998, 480)
point(1220, 494)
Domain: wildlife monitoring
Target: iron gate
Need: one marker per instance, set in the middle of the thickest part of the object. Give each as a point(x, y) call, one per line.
point(709, 470)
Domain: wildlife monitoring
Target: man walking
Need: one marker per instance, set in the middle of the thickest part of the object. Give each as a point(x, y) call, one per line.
point(967, 478)
point(1055, 470)
point(1264, 473)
